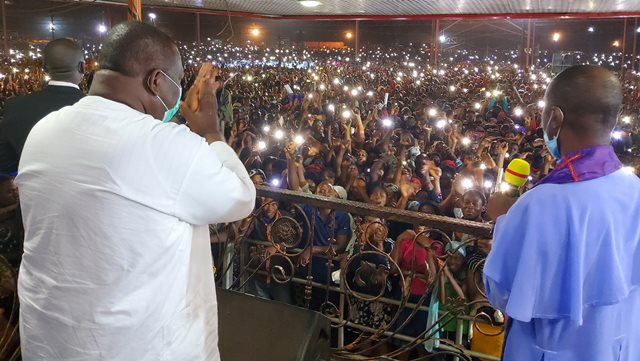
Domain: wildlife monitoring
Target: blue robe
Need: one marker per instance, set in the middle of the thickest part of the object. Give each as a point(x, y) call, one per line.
point(565, 266)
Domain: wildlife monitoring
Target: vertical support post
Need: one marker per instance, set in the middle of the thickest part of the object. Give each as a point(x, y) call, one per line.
point(52, 29)
point(134, 10)
point(357, 38)
point(341, 318)
point(635, 40)
point(459, 334)
point(523, 48)
point(107, 20)
point(624, 46)
point(227, 265)
point(198, 27)
point(528, 51)
point(435, 48)
point(5, 37)
point(533, 43)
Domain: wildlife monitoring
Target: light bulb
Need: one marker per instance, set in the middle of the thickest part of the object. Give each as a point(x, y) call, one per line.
point(310, 3)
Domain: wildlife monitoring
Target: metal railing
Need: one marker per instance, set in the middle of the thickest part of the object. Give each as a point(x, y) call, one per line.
point(245, 260)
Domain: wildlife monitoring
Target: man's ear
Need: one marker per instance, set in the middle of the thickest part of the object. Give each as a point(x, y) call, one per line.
point(153, 81)
point(556, 118)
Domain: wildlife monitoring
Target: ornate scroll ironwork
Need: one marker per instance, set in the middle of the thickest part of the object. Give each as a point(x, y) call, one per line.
point(362, 283)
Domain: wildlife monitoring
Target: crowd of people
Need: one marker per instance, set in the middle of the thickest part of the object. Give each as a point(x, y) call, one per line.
point(382, 128)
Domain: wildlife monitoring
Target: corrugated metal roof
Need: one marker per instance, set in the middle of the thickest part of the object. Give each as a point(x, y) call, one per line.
point(409, 8)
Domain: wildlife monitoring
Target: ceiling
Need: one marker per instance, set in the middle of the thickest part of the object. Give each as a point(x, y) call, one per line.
point(403, 8)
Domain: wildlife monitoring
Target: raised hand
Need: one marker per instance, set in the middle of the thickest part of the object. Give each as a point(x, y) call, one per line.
point(207, 72)
point(203, 119)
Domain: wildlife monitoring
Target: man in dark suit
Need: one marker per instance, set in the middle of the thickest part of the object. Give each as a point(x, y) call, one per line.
point(64, 62)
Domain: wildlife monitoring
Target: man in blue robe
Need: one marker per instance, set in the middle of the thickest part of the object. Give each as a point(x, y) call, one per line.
point(565, 263)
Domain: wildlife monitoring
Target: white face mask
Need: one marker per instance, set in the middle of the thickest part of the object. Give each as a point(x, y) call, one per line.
point(170, 112)
point(457, 212)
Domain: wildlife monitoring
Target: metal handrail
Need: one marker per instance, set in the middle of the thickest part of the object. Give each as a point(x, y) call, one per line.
point(390, 214)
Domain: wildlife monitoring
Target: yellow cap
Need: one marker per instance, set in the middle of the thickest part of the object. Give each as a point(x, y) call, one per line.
point(517, 172)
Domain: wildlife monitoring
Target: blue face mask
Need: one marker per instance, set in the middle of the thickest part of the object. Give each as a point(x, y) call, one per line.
point(552, 144)
point(171, 112)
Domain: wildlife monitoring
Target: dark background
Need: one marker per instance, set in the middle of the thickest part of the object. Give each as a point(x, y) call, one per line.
point(30, 19)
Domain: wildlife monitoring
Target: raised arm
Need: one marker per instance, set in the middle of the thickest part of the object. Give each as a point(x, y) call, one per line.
point(216, 187)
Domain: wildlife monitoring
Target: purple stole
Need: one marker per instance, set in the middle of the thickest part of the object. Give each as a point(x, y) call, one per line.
point(584, 164)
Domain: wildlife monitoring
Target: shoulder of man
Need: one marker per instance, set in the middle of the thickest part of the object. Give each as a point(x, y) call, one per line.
point(16, 102)
point(543, 193)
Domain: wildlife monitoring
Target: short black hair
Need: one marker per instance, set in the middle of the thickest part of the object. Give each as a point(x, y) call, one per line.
point(61, 57)
point(478, 194)
point(586, 91)
point(135, 48)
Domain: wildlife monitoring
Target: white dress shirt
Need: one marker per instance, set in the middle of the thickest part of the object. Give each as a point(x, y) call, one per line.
point(117, 261)
point(63, 83)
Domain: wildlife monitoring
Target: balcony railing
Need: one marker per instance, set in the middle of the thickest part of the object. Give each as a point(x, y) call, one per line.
point(244, 260)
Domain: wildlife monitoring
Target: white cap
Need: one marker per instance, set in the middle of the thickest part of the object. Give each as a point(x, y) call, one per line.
point(342, 193)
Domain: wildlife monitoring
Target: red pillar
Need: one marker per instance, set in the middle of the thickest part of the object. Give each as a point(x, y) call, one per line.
point(134, 10)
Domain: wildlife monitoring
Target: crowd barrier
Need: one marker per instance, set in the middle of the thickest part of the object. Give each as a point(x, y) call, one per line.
point(241, 260)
